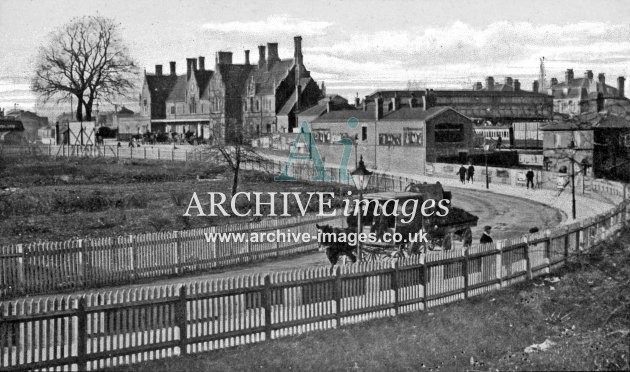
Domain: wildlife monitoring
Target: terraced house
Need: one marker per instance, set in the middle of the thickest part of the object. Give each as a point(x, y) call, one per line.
point(233, 99)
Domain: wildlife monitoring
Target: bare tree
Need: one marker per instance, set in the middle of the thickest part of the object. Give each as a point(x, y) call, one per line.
point(237, 152)
point(86, 58)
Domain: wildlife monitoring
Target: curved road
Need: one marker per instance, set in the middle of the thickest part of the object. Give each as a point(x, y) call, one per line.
point(509, 216)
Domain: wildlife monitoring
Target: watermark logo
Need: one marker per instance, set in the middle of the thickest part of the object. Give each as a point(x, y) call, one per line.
point(305, 138)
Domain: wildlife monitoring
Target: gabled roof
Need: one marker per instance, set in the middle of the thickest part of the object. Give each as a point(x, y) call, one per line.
point(288, 106)
point(269, 75)
point(234, 77)
point(178, 93)
point(580, 87)
point(125, 111)
point(203, 78)
point(588, 121)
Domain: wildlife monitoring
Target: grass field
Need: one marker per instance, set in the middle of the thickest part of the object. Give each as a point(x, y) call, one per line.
point(586, 314)
point(44, 198)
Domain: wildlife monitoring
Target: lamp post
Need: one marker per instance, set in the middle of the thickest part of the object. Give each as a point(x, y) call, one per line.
point(361, 178)
point(572, 152)
point(486, 147)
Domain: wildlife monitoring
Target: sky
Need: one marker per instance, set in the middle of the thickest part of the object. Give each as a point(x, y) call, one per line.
point(353, 46)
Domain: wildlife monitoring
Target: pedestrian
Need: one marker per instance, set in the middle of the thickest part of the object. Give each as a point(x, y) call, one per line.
point(462, 174)
point(530, 178)
point(485, 237)
point(470, 173)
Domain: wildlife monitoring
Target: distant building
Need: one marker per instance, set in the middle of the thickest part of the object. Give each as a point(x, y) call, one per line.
point(30, 120)
point(575, 96)
point(599, 140)
point(256, 99)
point(405, 136)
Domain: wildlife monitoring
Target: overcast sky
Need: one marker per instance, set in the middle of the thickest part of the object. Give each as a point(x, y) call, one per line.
point(354, 46)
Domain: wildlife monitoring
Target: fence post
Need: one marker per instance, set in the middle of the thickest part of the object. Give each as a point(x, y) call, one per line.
point(182, 321)
point(82, 335)
point(145, 153)
point(132, 258)
point(178, 254)
point(499, 264)
point(267, 307)
point(395, 285)
point(566, 245)
point(81, 264)
point(465, 273)
point(21, 280)
point(528, 261)
point(337, 296)
point(131, 152)
point(425, 283)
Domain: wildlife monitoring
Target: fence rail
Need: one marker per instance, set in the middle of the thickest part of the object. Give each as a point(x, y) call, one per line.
point(109, 329)
point(112, 328)
point(45, 267)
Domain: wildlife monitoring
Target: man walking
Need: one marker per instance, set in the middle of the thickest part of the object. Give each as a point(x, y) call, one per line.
point(470, 173)
point(462, 174)
point(530, 178)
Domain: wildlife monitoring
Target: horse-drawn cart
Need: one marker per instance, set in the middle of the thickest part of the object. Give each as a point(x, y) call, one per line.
point(401, 233)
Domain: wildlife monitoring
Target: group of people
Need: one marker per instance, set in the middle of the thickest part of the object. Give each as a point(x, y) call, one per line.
point(466, 174)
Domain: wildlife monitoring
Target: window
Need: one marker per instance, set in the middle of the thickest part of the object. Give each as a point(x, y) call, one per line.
point(364, 133)
point(145, 102)
point(557, 140)
point(173, 109)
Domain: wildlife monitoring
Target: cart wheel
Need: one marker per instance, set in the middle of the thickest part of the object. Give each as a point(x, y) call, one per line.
point(369, 256)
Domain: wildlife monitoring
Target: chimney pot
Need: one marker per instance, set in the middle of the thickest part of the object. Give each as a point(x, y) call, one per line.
point(329, 106)
point(189, 67)
point(554, 81)
point(202, 63)
point(261, 56)
point(378, 108)
point(158, 70)
point(247, 57)
point(490, 83)
point(621, 85)
point(224, 58)
point(517, 85)
point(588, 74)
point(173, 71)
point(508, 81)
point(535, 86)
point(272, 52)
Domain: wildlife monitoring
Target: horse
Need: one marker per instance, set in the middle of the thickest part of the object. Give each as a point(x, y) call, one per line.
point(335, 244)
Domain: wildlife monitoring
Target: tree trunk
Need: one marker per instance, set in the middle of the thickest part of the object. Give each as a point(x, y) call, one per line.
point(235, 177)
point(79, 114)
point(88, 109)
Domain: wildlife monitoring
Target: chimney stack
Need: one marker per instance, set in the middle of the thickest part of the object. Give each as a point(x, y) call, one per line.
point(158, 70)
point(364, 103)
point(554, 81)
point(224, 58)
point(588, 74)
point(489, 83)
point(329, 106)
point(189, 67)
point(298, 99)
point(424, 102)
point(247, 57)
point(508, 81)
point(173, 72)
point(357, 101)
point(517, 85)
point(378, 108)
point(620, 85)
point(478, 86)
point(602, 79)
point(535, 86)
point(412, 100)
point(297, 42)
point(202, 63)
point(323, 90)
point(272, 53)
point(568, 75)
point(261, 56)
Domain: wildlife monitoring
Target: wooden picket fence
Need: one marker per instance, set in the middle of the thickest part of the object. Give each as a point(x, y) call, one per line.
point(113, 328)
point(45, 267)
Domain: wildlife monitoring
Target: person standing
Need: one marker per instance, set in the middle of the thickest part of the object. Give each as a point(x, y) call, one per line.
point(462, 174)
point(530, 178)
point(470, 173)
point(485, 237)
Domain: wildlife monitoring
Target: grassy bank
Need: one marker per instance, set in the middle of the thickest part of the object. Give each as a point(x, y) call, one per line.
point(47, 198)
point(585, 314)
